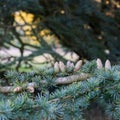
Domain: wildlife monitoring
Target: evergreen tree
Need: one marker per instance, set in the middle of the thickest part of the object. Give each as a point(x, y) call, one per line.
point(61, 92)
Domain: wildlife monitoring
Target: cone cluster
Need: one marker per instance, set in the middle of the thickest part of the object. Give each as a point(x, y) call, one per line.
point(100, 64)
point(30, 88)
point(61, 67)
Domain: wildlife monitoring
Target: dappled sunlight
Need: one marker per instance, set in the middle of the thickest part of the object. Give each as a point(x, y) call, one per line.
point(24, 25)
point(22, 17)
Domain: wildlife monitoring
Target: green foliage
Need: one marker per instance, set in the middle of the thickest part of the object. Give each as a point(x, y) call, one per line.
point(62, 102)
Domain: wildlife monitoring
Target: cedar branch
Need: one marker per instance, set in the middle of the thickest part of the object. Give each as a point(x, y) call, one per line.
point(58, 81)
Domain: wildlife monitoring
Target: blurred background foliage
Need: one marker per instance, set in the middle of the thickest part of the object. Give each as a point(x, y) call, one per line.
point(52, 28)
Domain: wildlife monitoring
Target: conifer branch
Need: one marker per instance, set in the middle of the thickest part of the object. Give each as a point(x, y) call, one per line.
point(58, 81)
point(90, 83)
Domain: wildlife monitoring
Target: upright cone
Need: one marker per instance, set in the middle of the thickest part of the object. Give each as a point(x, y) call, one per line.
point(17, 89)
point(99, 64)
point(56, 67)
point(107, 65)
point(62, 66)
point(69, 66)
point(78, 65)
point(30, 89)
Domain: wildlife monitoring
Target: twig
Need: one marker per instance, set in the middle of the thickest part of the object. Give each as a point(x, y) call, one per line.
point(58, 81)
point(72, 78)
